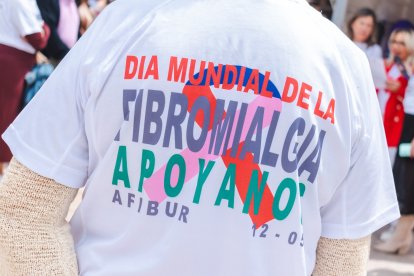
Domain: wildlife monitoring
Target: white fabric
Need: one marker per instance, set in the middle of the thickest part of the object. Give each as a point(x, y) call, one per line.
point(69, 132)
point(392, 152)
point(372, 51)
point(19, 18)
point(92, 3)
point(383, 95)
point(379, 74)
point(409, 97)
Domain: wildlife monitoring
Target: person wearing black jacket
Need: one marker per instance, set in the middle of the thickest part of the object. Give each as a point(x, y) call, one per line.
point(51, 11)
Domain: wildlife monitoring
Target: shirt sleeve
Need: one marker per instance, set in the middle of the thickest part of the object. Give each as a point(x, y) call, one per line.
point(49, 135)
point(376, 51)
point(26, 17)
point(365, 200)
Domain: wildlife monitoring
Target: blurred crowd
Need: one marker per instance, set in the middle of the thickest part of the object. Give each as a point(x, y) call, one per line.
point(36, 35)
point(392, 68)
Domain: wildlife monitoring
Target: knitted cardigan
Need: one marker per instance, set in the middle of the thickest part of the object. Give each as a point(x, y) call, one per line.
point(35, 237)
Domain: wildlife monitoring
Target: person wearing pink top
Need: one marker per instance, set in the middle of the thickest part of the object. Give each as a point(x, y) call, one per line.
point(68, 26)
point(63, 21)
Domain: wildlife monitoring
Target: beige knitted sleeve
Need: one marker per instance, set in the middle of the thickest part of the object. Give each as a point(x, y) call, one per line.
point(342, 257)
point(34, 236)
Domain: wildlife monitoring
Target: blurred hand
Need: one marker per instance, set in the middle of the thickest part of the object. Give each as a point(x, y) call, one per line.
point(412, 149)
point(40, 58)
point(392, 85)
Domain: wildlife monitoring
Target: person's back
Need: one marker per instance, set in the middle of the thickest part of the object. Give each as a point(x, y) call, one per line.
point(214, 138)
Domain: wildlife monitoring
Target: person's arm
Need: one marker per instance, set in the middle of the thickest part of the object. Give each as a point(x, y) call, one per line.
point(397, 86)
point(342, 257)
point(35, 238)
point(39, 40)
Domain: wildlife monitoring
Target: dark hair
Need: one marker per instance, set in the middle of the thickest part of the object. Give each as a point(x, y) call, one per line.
point(362, 13)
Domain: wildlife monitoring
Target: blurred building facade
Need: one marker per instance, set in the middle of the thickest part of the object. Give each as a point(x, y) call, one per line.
point(388, 11)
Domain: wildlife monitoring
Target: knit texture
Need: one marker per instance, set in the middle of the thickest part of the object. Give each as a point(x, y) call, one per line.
point(342, 257)
point(35, 238)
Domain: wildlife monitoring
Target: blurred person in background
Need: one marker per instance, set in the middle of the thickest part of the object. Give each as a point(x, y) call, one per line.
point(62, 17)
point(401, 236)
point(86, 15)
point(391, 98)
point(22, 33)
point(400, 24)
point(361, 30)
point(96, 6)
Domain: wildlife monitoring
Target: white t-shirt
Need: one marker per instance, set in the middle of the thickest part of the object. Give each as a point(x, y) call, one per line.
point(376, 62)
point(19, 18)
point(409, 97)
point(230, 149)
point(372, 51)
